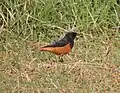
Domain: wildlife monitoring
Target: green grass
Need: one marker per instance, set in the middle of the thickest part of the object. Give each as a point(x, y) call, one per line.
point(94, 66)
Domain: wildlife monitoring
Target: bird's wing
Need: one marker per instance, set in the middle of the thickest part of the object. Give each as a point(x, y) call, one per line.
point(59, 43)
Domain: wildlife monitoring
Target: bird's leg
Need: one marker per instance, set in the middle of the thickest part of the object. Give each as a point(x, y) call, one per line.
point(69, 57)
point(61, 58)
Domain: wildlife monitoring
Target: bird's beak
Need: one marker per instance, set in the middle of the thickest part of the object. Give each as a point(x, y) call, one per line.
point(79, 35)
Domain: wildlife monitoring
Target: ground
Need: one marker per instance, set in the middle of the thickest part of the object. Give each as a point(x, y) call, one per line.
point(93, 65)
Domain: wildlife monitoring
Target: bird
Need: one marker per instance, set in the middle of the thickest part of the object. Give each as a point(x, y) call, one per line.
point(62, 46)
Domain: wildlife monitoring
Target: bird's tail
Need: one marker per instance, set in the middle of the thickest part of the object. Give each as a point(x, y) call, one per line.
point(47, 49)
point(43, 49)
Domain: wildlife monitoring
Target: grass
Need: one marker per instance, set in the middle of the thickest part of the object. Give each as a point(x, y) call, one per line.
point(25, 25)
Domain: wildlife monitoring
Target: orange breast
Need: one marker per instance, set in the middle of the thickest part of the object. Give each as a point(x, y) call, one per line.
point(58, 50)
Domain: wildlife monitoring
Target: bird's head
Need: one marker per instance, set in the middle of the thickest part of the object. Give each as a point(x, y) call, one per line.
point(71, 35)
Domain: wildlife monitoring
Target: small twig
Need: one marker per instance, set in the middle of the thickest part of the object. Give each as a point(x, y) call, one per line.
point(108, 50)
point(74, 66)
point(54, 84)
